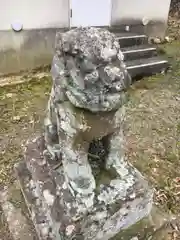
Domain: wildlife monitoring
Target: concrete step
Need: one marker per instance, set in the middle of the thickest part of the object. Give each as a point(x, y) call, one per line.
point(146, 67)
point(141, 51)
point(131, 39)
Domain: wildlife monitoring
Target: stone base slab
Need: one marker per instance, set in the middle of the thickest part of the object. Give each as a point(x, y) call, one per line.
point(156, 226)
point(15, 215)
point(103, 224)
point(58, 214)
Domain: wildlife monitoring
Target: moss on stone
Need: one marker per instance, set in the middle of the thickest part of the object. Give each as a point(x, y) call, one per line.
point(152, 227)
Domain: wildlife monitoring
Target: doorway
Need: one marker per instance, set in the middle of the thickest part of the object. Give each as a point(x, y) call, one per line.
point(90, 13)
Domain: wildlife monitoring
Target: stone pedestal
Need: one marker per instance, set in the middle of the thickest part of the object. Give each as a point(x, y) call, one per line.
point(58, 215)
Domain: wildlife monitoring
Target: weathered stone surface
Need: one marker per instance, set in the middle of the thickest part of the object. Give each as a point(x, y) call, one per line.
point(155, 226)
point(15, 214)
point(57, 213)
point(86, 103)
point(175, 8)
point(88, 69)
point(76, 179)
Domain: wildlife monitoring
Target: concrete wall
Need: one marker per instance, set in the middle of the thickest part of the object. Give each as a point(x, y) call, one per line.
point(154, 13)
point(33, 46)
point(34, 14)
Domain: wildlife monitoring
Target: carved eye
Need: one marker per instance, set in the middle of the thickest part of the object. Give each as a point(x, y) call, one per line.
point(118, 87)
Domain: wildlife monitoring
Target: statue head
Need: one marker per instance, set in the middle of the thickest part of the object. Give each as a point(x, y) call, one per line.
point(95, 74)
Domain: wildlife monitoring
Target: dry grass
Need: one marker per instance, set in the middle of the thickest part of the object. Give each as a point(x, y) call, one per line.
point(152, 127)
point(22, 107)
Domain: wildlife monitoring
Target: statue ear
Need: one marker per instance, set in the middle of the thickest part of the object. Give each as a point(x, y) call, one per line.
point(58, 41)
point(74, 72)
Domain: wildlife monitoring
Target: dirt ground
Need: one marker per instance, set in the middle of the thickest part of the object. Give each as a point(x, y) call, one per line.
point(152, 128)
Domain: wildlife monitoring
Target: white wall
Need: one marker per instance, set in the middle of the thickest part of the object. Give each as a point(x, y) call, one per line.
point(34, 14)
point(34, 46)
point(139, 9)
point(40, 19)
point(90, 13)
point(38, 14)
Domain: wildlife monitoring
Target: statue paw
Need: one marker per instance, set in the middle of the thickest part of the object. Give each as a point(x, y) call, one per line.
point(82, 185)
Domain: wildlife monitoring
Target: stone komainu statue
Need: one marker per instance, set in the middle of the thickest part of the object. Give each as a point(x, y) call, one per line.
point(86, 103)
point(69, 196)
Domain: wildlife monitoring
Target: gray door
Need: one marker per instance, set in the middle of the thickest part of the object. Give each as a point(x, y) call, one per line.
point(90, 13)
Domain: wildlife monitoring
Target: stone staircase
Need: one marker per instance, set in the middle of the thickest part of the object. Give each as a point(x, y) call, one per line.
point(141, 58)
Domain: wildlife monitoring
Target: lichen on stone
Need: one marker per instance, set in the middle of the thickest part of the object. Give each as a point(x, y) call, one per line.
point(89, 84)
point(79, 197)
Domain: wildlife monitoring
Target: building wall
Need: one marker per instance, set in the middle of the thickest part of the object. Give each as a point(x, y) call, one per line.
point(154, 14)
point(33, 46)
point(34, 14)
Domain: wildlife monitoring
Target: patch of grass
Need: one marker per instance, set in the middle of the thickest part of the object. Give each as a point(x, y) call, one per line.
point(153, 130)
point(178, 127)
point(22, 108)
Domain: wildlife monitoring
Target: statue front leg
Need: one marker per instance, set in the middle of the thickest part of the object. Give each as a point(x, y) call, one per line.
point(50, 135)
point(74, 148)
point(116, 154)
point(51, 132)
point(77, 169)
